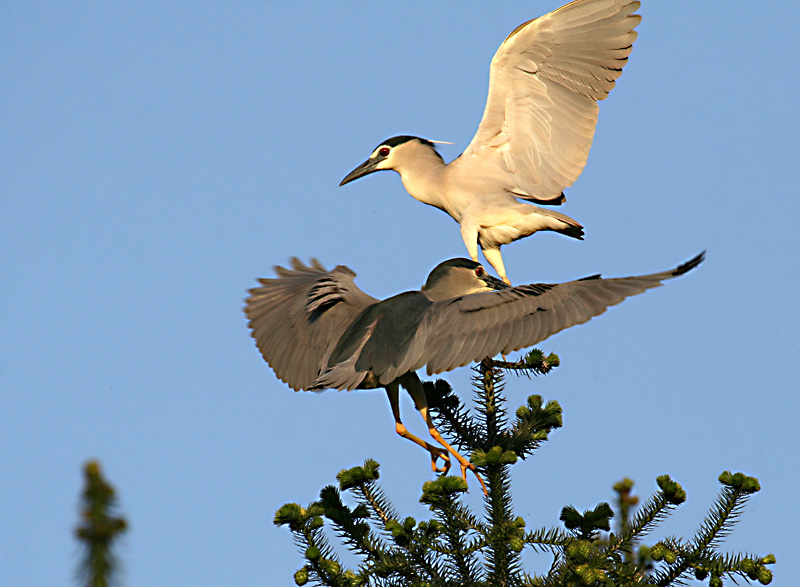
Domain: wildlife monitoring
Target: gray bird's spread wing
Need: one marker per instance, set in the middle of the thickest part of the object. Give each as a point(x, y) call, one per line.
point(545, 80)
point(298, 317)
point(468, 329)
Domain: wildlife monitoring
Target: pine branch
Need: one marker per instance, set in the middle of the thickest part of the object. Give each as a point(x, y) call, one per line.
point(488, 385)
point(348, 523)
point(651, 513)
point(533, 363)
point(382, 560)
point(625, 501)
point(451, 417)
point(727, 509)
point(505, 540)
point(396, 569)
point(377, 501)
point(552, 573)
point(533, 426)
point(99, 528)
point(420, 550)
point(548, 539)
point(747, 566)
point(454, 547)
point(502, 557)
point(323, 563)
point(417, 545)
point(446, 551)
point(442, 496)
point(362, 481)
point(306, 525)
point(736, 491)
point(657, 508)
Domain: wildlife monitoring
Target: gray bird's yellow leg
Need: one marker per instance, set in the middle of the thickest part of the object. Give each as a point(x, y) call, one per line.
point(414, 387)
point(393, 391)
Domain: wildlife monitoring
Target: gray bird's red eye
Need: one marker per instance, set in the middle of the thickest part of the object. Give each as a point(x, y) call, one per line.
point(383, 152)
point(479, 271)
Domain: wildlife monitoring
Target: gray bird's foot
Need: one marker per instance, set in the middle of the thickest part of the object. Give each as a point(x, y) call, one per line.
point(473, 468)
point(438, 453)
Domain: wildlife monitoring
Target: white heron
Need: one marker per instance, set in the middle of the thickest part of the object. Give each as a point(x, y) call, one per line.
point(536, 132)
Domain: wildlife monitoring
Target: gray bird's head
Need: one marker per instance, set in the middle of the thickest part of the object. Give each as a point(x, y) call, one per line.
point(459, 277)
point(396, 154)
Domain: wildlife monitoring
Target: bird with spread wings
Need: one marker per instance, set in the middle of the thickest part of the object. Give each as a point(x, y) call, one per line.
point(318, 330)
point(533, 142)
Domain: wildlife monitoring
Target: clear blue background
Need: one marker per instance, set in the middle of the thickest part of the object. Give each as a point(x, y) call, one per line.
point(156, 158)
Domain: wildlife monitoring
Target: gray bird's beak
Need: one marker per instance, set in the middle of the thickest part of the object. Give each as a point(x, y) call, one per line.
point(494, 283)
point(365, 168)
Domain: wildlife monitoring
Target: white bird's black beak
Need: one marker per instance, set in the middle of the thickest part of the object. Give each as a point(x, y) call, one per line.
point(367, 167)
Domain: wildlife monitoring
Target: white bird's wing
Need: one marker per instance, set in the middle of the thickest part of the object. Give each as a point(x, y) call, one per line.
point(544, 83)
point(470, 328)
point(298, 317)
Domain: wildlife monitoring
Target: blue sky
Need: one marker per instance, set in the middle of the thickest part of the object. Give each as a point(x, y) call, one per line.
point(156, 158)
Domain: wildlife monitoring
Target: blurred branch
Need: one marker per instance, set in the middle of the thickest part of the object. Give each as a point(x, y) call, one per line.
point(98, 528)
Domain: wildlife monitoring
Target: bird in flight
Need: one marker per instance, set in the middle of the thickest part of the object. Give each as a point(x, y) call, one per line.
point(537, 128)
point(318, 330)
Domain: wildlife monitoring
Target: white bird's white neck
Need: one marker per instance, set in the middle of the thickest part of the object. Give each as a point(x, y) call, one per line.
point(424, 180)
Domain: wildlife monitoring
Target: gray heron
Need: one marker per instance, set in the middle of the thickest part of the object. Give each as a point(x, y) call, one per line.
point(318, 330)
point(533, 141)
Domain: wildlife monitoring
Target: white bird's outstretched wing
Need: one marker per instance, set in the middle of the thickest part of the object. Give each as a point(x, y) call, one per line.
point(544, 83)
point(297, 318)
point(470, 328)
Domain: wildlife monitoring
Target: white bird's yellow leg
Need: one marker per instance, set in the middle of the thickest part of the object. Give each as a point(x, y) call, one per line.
point(436, 453)
point(496, 260)
point(414, 387)
point(469, 233)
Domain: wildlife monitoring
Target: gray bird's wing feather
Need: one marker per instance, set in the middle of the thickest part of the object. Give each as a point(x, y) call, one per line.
point(375, 349)
point(297, 318)
point(470, 328)
point(544, 84)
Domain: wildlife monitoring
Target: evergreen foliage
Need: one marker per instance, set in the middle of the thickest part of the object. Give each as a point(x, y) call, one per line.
point(457, 547)
point(98, 529)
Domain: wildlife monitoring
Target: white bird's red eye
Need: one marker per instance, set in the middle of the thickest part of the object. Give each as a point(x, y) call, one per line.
point(384, 151)
point(479, 271)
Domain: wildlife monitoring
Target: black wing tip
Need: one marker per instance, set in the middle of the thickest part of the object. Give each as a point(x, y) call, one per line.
point(575, 232)
point(689, 265)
